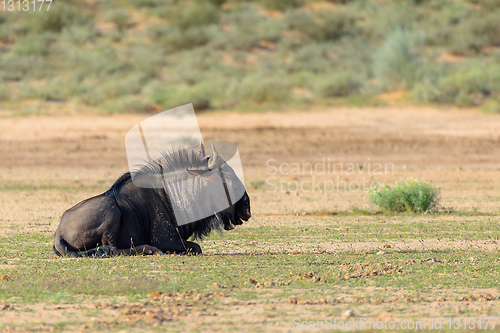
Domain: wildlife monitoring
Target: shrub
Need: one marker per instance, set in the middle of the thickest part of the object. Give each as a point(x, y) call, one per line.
point(407, 195)
point(177, 39)
point(123, 84)
point(339, 85)
point(469, 85)
point(33, 45)
point(196, 14)
point(246, 23)
point(477, 31)
point(147, 59)
point(60, 15)
point(15, 68)
point(120, 17)
point(78, 34)
point(322, 25)
point(168, 96)
point(396, 62)
point(5, 93)
point(261, 88)
point(127, 104)
point(148, 3)
point(281, 5)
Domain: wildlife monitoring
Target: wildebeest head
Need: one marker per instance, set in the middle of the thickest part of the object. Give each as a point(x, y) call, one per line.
point(239, 201)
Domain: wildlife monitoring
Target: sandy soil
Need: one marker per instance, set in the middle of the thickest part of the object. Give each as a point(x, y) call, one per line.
point(457, 149)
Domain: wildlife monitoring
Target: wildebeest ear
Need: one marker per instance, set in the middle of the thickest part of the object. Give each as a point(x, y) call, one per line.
point(196, 172)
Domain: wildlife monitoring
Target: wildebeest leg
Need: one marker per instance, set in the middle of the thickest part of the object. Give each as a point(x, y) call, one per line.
point(183, 247)
point(139, 250)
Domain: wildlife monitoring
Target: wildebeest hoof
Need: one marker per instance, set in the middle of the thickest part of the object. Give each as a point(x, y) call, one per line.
point(104, 251)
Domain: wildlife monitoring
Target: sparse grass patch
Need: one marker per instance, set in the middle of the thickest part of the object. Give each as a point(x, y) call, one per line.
point(406, 195)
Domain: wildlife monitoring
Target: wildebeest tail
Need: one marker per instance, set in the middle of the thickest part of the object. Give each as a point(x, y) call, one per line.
point(62, 248)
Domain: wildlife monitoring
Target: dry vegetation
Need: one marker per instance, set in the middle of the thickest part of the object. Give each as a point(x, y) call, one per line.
point(148, 55)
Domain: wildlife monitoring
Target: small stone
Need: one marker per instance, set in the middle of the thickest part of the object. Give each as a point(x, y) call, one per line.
point(348, 313)
point(381, 253)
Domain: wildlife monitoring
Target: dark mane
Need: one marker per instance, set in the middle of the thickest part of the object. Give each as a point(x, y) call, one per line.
point(172, 161)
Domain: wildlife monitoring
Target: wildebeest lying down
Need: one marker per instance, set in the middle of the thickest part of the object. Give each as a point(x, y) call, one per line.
point(129, 219)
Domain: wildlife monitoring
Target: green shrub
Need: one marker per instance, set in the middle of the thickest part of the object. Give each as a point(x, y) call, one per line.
point(146, 59)
point(281, 5)
point(407, 195)
point(168, 96)
point(60, 15)
point(313, 57)
point(5, 93)
point(322, 25)
point(33, 45)
point(120, 17)
point(127, 104)
point(15, 68)
point(468, 85)
point(396, 62)
point(260, 88)
point(245, 22)
point(339, 84)
point(178, 40)
point(78, 34)
point(196, 14)
point(123, 84)
point(149, 3)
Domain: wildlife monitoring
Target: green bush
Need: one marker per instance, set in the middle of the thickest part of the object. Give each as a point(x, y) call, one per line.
point(196, 14)
point(33, 45)
point(469, 85)
point(396, 63)
point(407, 195)
point(244, 21)
point(148, 3)
point(127, 104)
point(16, 68)
point(260, 88)
point(281, 5)
point(78, 34)
point(339, 84)
point(120, 17)
point(60, 15)
point(5, 93)
point(178, 39)
point(322, 25)
point(168, 96)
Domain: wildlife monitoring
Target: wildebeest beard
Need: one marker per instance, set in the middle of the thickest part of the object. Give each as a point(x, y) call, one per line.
point(131, 217)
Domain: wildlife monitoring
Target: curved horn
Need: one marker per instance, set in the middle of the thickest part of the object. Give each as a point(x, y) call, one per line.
point(203, 154)
point(215, 160)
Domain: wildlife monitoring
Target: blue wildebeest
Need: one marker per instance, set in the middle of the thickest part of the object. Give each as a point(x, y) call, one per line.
point(129, 219)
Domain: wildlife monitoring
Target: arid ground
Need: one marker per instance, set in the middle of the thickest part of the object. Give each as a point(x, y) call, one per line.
point(315, 247)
